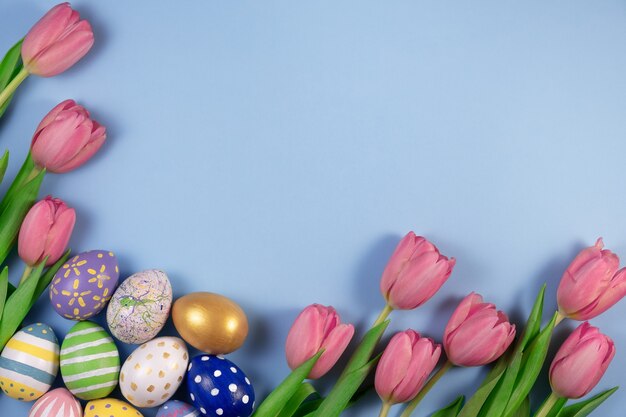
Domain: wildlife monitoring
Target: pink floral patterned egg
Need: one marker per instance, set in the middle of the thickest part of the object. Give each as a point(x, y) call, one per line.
point(57, 403)
point(82, 286)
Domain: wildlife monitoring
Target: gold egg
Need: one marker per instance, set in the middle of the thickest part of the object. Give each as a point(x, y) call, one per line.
point(210, 322)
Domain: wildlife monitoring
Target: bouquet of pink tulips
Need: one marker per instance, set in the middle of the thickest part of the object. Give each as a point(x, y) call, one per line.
point(477, 334)
point(66, 138)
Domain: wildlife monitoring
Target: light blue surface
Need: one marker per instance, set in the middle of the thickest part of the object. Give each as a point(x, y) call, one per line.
point(275, 152)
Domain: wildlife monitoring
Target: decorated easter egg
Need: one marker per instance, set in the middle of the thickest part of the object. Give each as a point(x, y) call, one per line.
point(210, 322)
point(58, 402)
point(81, 288)
point(140, 307)
point(110, 407)
point(90, 362)
point(154, 371)
point(175, 408)
point(29, 362)
point(217, 387)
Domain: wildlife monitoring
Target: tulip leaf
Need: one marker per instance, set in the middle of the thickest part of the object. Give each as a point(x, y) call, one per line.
point(584, 408)
point(556, 408)
point(524, 409)
point(533, 324)
point(47, 277)
point(497, 401)
point(353, 375)
point(4, 286)
point(274, 402)
point(308, 407)
point(20, 179)
point(19, 304)
point(10, 65)
point(452, 409)
point(13, 214)
point(305, 390)
point(4, 163)
point(475, 403)
point(532, 362)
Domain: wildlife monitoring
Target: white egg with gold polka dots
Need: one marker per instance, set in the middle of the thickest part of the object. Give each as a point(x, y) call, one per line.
point(153, 372)
point(82, 287)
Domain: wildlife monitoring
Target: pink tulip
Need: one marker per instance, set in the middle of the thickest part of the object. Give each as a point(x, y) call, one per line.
point(407, 361)
point(56, 42)
point(414, 273)
point(477, 333)
point(317, 327)
point(46, 231)
point(591, 284)
point(580, 362)
point(66, 138)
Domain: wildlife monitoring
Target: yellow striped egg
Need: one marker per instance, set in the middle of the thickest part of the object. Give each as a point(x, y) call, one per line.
point(29, 362)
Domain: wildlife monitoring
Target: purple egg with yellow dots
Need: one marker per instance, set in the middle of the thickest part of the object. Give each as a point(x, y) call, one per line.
point(84, 284)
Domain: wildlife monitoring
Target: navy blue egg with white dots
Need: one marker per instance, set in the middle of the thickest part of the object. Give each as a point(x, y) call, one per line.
point(218, 388)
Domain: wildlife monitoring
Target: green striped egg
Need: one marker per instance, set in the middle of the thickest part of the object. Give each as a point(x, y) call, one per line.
point(90, 362)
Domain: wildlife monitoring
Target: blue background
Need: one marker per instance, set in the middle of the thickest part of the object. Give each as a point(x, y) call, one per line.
point(276, 151)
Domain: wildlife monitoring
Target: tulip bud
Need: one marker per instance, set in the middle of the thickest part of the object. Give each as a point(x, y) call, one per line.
point(46, 231)
point(56, 42)
point(580, 362)
point(414, 273)
point(317, 327)
point(405, 365)
point(66, 138)
point(591, 284)
point(477, 333)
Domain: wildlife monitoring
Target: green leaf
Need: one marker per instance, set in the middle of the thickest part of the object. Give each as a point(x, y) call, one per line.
point(309, 406)
point(274, 402)
point(532, 362)
point(452, 409)
point(18, 305)
point(353, 375)
point(475, 403)
point(584, 408)
point(47, 277)
point(556, 408)
point(18, 182)
point(10, 65)
point(4, 283)
point(305, 391)
point(496, 403)
point(12, 216)
point(533, 324)
point(524, 410)
point(4, 163)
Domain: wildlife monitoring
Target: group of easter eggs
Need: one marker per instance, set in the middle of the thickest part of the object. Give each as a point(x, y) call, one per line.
point(137, 310)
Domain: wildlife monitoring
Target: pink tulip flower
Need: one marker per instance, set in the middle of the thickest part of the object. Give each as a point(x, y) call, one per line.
point(580, 362)
point(46, 231)
point(56, 42)
point(477, 333)
point(66, 138)
point(317, 327)
point(414, 273)
point(405, 365)
point(591, 284)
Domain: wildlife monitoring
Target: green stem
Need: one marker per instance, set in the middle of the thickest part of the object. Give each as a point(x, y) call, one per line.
point(12, 86)
point(384, 410)
point(27, 270)
point(547, 405)
point(559, 318)
point(383, 315)
point(429, 385)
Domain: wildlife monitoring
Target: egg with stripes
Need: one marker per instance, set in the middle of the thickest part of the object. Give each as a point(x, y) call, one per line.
point(106, 407)
point(219, 388)
point(90, 361)
point(154, 371)
point(57, 403)
point(175, 408)
point(83, 285)
point(29, 362)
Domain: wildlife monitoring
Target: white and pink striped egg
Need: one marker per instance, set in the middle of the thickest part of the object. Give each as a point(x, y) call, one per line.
point(57, 403)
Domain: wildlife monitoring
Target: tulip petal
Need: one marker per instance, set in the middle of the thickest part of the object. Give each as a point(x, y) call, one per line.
point(334, 346)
